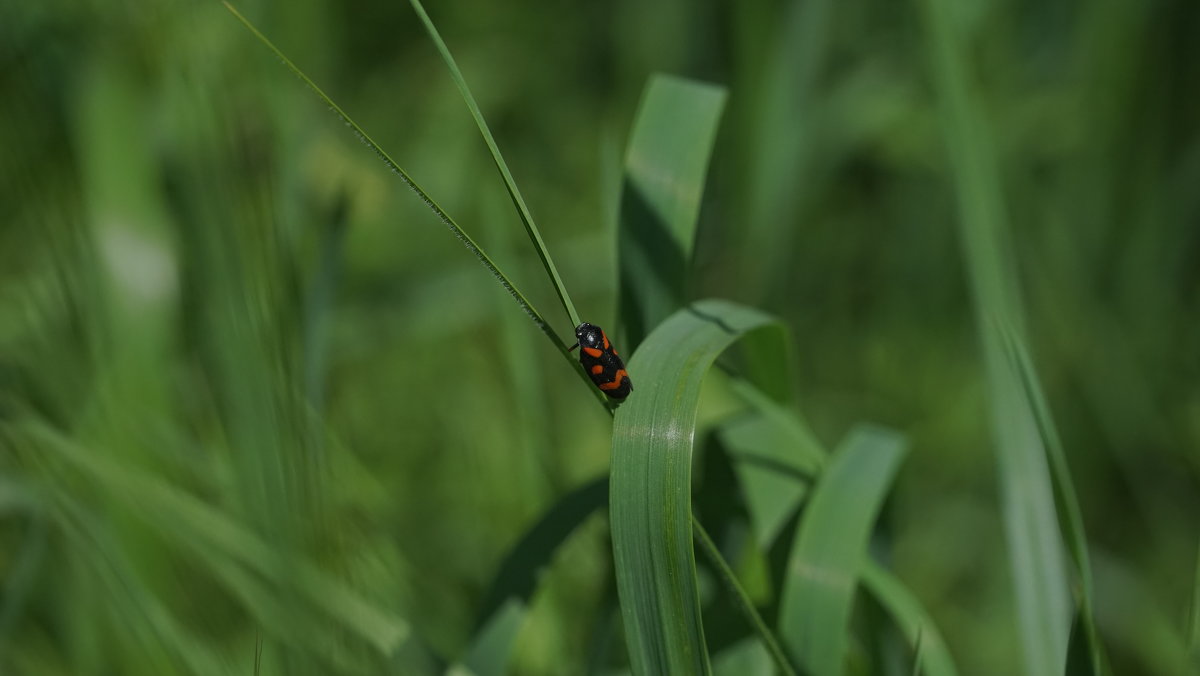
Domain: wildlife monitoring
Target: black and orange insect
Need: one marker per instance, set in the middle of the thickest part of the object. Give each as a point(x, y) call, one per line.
point(601, 361)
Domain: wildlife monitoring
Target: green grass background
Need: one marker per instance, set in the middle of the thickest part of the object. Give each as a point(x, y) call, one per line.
point(250, 388)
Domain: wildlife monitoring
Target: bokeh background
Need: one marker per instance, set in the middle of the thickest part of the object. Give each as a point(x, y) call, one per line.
point(248, 380)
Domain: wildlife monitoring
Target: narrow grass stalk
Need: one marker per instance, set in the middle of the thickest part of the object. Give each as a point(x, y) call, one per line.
point(1036, 553)
point(518, 201)
point(743, 600)
point(1064, 491)
point(458, 232)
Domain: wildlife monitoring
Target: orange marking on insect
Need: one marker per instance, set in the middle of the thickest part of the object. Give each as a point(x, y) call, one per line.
point(593, 351)
point(616, 381)
point(605, 336)
point(598, 369)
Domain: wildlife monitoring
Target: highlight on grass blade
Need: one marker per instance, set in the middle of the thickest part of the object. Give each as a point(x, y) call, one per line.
point(650, 493)
point(665, 167)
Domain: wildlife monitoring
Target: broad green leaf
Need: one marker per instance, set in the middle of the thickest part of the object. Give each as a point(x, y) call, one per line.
point(650, 491)
point(914, 623)
point(665, 166)
point(830, 544)
point(1035, 543)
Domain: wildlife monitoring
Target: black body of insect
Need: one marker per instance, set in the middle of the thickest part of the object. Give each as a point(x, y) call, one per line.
point(601, 361)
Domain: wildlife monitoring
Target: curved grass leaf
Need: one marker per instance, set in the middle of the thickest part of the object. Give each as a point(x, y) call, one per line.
point(1035, 543)
point(930, 652)
point(665, 166)
point(748, 439)
point(650, 491)
point(831, 541)
point(513, 192)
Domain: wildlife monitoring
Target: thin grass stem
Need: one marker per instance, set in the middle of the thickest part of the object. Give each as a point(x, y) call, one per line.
point(458, 232)
point(743, 600)
point(513, 192)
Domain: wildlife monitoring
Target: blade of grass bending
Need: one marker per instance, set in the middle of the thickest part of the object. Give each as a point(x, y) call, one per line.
point(650, 484)
point(743, 600)
point(929, 648)
point(1036, 556)
point(458, 232)
point(501, 165)
point(1064, 494)
point(830, 546)
point(665, 166)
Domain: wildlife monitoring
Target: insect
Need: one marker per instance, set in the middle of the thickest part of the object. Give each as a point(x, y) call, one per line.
point(601, 361)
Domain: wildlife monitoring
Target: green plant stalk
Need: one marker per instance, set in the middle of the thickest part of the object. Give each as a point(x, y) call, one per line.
point(1064, 492)
point(1035, 541)
point(743, 600)
point(458, 232)
point(518, 201)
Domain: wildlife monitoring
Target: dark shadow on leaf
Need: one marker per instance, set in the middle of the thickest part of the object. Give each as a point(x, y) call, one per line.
point(518, 575)
point(651, 264)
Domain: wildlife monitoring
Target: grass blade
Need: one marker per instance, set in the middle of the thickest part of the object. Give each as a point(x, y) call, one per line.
point(771, 479)
point(743, 600)
point(1035, 543)
point(501, 165)
point(911, 618)
point(1068, 505)
point(665, 166)
point(650, 492)
point(830, 544)
point(458, 232)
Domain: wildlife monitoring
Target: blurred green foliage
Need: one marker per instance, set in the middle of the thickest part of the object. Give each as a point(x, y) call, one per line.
point(251, 390)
